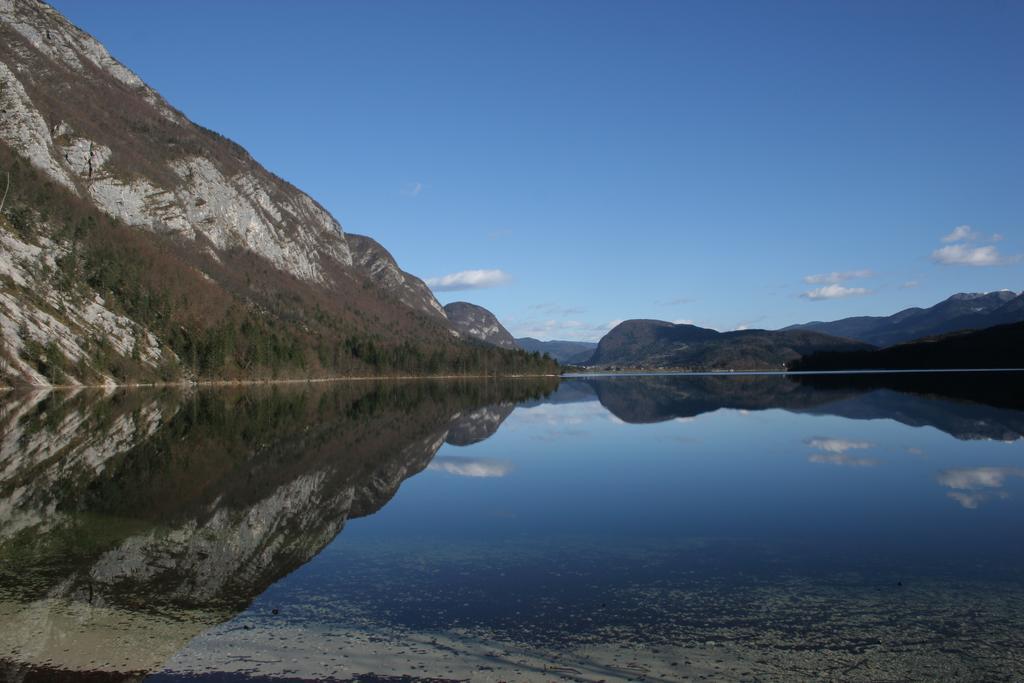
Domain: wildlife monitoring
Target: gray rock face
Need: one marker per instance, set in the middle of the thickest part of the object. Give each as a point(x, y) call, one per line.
point(476, 322)
point(377, 263)
point(149, 166)
point(83, 120)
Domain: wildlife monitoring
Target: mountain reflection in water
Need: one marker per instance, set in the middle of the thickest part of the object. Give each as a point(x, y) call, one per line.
point(130, 522)
point(133, 522)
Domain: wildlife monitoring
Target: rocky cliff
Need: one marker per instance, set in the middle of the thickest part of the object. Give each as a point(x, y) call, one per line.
point(95, 128)
point(136, 245)
point(380, 266)
point(476, 322)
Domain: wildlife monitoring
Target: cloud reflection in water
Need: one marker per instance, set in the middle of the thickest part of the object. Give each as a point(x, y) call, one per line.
point(479, 468)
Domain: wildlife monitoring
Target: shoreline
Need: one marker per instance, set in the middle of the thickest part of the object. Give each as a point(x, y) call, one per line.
point(255, 382)
point(705, 373)
point(564, 375)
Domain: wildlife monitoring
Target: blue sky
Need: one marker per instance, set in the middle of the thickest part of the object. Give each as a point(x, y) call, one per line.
point(698, 161)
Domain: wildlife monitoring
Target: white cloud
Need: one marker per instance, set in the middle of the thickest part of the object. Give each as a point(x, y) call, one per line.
point(834, 292)
point(832, 445)
point(909, 284)
point(477, 468)
point(962, 255)
point(683, 321)
point(678, 301)
point(468, 279)
point(836, 277)
point(413, 189)
point(961, 232)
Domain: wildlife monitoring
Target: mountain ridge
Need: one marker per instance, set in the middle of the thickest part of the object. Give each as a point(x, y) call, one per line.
point(660, 344)
point(998, 347)
point(963, 310)
point(137, 246)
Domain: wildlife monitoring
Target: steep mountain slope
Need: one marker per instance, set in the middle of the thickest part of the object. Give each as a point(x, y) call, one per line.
point(378, 264)
point(569, 352)
point(1001, 346)
point(659, 344)
point(958, 312)
point(476, 322)
point(137, 246)
point(96, 129)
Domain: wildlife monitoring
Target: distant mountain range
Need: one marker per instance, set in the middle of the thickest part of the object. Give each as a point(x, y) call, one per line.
point(1001, 346)
point(963, 311)
point(664, 345)
point(565, 352)
point(656, 344)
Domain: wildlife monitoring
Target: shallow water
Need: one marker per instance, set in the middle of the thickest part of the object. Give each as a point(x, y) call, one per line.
point(604, 528)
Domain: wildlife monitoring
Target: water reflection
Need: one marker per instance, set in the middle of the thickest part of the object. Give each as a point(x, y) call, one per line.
point(968, 406)
point(977, 485)
point(554, 532)
point(132, 521)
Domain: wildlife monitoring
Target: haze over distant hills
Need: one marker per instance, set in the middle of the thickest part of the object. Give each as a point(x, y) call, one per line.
point(567, 352)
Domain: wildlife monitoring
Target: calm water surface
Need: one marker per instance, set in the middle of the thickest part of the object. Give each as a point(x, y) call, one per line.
point(601, 528)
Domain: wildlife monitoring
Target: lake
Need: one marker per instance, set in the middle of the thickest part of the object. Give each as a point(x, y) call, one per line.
point(659, 527)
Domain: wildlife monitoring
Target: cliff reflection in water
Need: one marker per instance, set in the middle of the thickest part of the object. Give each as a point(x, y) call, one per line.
point(130, 522)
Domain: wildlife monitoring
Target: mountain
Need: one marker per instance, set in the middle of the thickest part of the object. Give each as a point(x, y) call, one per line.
point(378, 264)
point(566, 352)
point(959, 312)
point(137, 246)
point(1001, 346)
point(476, 322)
point(660, 344)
